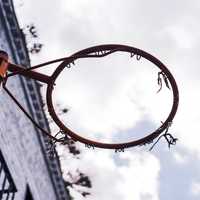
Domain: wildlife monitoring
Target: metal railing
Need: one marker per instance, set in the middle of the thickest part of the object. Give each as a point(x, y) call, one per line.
point(7, 185)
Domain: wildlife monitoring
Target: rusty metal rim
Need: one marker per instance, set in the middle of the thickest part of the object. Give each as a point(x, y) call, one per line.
point(113, 48)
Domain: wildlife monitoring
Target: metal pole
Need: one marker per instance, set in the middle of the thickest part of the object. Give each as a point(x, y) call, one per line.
point(30, 74)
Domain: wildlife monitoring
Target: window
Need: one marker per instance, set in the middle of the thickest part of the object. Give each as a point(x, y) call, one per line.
point(7, 186)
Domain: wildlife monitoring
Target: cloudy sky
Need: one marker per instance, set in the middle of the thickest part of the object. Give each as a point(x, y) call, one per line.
point(118, 101)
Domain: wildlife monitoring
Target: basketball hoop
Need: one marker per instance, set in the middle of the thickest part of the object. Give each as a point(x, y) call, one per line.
point(98, 52)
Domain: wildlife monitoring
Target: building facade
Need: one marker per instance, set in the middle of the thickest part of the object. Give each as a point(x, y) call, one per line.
point(27, 172)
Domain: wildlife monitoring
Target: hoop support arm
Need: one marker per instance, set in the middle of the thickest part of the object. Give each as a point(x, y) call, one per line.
point(29, 73)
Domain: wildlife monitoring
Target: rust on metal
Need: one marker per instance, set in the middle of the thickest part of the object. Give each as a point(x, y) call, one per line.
point(3, 63)
point(104, 50)
point(96, 52)
point(29, 74)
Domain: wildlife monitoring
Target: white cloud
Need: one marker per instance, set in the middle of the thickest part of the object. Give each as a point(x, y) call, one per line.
point(135, 179)
point(184, 32)
point(195, 189)
point(180, 158)
point(169, 30)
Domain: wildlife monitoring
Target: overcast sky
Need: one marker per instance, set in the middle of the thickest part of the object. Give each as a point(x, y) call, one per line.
point(121, 99)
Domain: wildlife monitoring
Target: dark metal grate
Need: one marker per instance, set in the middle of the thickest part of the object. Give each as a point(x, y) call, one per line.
point(7, 186)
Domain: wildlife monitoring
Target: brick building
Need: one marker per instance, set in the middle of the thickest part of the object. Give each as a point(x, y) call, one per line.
point(26, 170)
